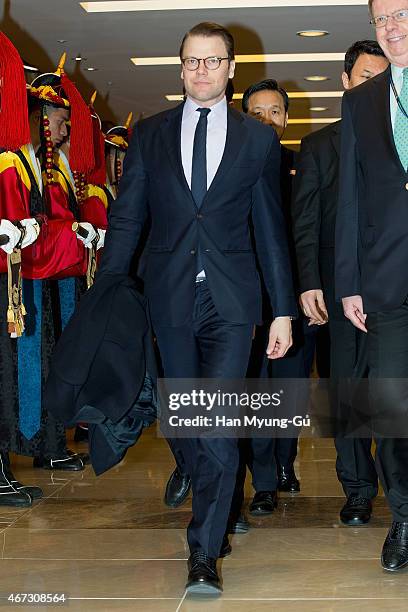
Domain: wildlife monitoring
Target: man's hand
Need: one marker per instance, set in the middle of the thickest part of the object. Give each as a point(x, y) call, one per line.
point(9, 229)
point(32, 230)
point(91, 234)
point(353, 310)
point(314, 307)
point(280, 338)
point(101, 241)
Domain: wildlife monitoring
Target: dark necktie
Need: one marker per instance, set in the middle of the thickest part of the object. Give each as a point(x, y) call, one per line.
point(199, 169)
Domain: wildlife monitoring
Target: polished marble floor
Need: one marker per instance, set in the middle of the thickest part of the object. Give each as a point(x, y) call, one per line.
point(110, 543)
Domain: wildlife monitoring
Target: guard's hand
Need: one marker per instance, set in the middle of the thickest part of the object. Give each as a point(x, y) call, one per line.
point(9, 229)
point(280, 338)
point(91, 234)
point(101, 241)
point(314, 307)
point(32, 230)
point(353, 310)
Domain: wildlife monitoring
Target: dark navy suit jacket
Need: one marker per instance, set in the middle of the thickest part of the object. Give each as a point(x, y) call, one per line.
point(372, 217)
point(246, 185)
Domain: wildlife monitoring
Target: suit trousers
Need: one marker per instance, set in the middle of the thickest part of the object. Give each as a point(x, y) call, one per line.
point(265, 455)
point(348, 359)
point(387, 346)
point(208, 347)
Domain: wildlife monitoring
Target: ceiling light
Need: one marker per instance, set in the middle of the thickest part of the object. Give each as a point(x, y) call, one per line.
point(114, 6)
point(91, 69)
point(31, 68)
point(155, 61)
point(290, 57)
point(315, 94)
point(312, 33)
point(319, 109)
point(291, 94)
point(316, 77)
point(248, 59)
point(61, 41)
point(313, 120)
point(79, 58)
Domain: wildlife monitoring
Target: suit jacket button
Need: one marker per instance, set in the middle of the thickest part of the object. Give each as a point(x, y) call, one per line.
point(199, 216)
point(208, 250)
point(192, 252)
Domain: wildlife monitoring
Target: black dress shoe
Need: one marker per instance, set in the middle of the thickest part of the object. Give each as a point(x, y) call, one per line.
point(12, 497)
point(70, 463)
point(264, 502)
point(177, 489)
point(203, 577)
point(8, 479)
point(34, 492)
point(226, 548)
point(287, 481)
point(356, 511)
point(84, 457)
point(395, 550)
point(239, 525)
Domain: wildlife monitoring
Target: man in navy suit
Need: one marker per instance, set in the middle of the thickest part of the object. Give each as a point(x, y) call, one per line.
point(201, 172)
point(371, 253)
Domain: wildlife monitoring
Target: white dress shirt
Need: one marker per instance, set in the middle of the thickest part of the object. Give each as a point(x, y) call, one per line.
point(216, 137)
point(397, 77)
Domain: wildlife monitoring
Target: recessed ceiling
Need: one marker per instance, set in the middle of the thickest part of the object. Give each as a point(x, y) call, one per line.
point(110, 39)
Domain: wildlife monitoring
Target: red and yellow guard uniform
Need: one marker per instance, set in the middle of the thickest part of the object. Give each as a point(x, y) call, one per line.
point(57, 196)
point(94, 208)
point(57, 252)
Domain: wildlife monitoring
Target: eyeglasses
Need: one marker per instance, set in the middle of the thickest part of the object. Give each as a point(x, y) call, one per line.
point(211, 63)
point(381, 20)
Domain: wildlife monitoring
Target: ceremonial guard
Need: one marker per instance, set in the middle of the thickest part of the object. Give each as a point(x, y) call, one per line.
point(117, 142)
point(28, 135)
point(97, 198)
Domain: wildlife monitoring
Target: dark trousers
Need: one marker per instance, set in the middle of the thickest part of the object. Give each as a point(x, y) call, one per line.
point(209, 347)
point(387, 347)
point(348, 359)
point(264, 456)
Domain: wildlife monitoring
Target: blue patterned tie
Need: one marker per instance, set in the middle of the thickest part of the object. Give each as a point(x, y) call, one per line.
point(401, 123)
point(199, 168)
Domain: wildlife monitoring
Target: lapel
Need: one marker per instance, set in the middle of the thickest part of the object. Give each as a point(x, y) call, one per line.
point(171, 135)
point(335, 137)
point(235, 140)
point(380, 96)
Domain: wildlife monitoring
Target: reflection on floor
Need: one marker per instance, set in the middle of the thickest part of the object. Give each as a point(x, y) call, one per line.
point(110, 543)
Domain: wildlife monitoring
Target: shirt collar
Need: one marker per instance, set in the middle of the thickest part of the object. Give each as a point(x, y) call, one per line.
point(218, 109)
point(397, 73)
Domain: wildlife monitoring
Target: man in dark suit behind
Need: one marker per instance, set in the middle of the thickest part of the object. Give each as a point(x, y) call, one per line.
point(372, 253)
point(202, 170)
point(314, 208)
point(271, 461)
